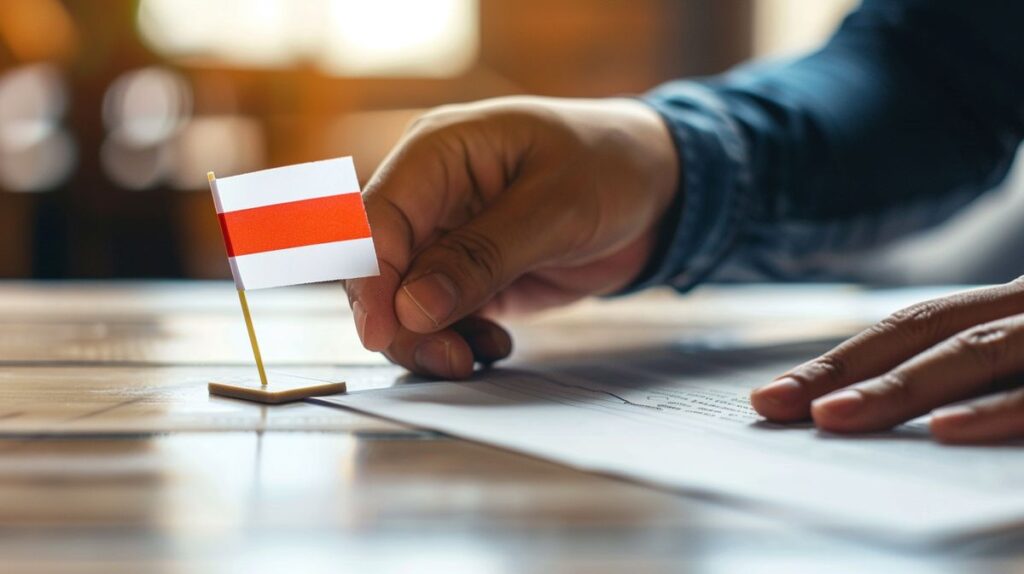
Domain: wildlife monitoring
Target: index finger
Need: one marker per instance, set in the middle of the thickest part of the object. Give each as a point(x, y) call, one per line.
point(884, 346)
point(394, 236)
point(415, 192)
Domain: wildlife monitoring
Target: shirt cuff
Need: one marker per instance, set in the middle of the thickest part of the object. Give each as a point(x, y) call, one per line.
point(705, 221)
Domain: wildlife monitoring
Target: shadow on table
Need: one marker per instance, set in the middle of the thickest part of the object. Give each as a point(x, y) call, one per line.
point(639, 369)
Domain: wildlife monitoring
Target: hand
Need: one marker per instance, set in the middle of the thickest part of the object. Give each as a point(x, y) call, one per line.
point(923, 358)
point(505, 206)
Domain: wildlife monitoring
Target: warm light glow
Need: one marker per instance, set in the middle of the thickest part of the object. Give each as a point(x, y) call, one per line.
point(401, 37)
point(223, 144)
point(143, 111)
point(347, 37)
point(134, 167)
point(788, 27)
point(145, 107)
point(37, 30)
point(36, 153)
point(32, 100)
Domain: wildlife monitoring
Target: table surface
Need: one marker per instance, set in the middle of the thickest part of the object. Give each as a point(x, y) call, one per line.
point(115, 458)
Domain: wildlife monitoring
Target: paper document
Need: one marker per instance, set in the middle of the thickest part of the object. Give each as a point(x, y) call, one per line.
point(680, 419)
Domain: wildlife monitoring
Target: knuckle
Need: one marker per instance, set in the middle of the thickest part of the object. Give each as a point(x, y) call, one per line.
point(479, 253)
point(434, 119)
point(404, 222)
point(421, 123)
point(518, 108)
point(895, 388)
point(923, 320)
point(831, 368)
point(985, 344)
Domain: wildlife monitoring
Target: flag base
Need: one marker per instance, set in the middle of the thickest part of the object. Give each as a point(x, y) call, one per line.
point(282, 389)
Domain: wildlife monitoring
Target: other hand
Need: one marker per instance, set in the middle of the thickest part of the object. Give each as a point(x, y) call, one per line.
point(960, 358)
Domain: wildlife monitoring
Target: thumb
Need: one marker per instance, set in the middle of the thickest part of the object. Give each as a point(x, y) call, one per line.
point(464, 268)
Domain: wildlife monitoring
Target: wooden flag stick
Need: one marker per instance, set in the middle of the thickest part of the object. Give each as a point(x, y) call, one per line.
point(286, 388)
point(245, 312)
point(252, 336)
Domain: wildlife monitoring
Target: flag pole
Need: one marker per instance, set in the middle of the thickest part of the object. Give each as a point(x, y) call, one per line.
point(245, 311)
point(252, 337)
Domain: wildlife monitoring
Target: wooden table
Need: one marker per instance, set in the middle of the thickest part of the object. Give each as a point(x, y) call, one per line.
point(115, 459)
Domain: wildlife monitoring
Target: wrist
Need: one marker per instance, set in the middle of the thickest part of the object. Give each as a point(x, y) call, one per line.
point(666, 191)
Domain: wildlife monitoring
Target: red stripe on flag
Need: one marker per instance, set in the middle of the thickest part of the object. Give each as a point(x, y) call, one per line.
point(294, 224)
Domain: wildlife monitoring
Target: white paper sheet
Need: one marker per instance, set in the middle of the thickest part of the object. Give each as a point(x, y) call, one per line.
point(680, 419)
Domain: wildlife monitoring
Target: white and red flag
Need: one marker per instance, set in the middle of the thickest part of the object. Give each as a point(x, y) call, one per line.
point(297, 224)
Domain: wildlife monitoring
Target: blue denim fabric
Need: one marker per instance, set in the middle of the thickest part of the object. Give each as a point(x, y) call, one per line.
point(912, 110)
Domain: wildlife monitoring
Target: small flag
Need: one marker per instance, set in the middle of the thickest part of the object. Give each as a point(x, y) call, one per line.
point(297, 224)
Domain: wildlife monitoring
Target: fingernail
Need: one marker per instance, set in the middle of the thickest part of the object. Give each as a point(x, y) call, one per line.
point(434, 356)
point(957, 415)
point(783, 392)
point(359, 314)
point(434, 295)
point(843, 404)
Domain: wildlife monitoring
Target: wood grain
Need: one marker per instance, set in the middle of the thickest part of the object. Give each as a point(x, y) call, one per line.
point(113, 457)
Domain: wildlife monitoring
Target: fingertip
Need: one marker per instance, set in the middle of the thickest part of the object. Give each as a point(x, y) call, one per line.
point(952, 425)
point(373, 312)
point(945, 434)
point(780, 401)
point(499, 344)
point(359, 316)
point(376, 329)
point(462, 360)
point(379, 332)
point(838, 411)
point(446, 357)
point(488, 340)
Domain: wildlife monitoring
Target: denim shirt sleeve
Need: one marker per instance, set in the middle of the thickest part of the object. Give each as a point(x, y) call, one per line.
point(912, 110)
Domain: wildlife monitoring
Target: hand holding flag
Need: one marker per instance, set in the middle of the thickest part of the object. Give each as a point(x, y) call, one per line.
point(508, 205)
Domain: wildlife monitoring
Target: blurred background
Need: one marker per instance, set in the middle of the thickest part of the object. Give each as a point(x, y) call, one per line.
point(112, 111)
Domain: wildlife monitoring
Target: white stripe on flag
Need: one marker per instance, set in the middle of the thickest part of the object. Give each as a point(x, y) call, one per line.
point(306, 264)
point(284, 184)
